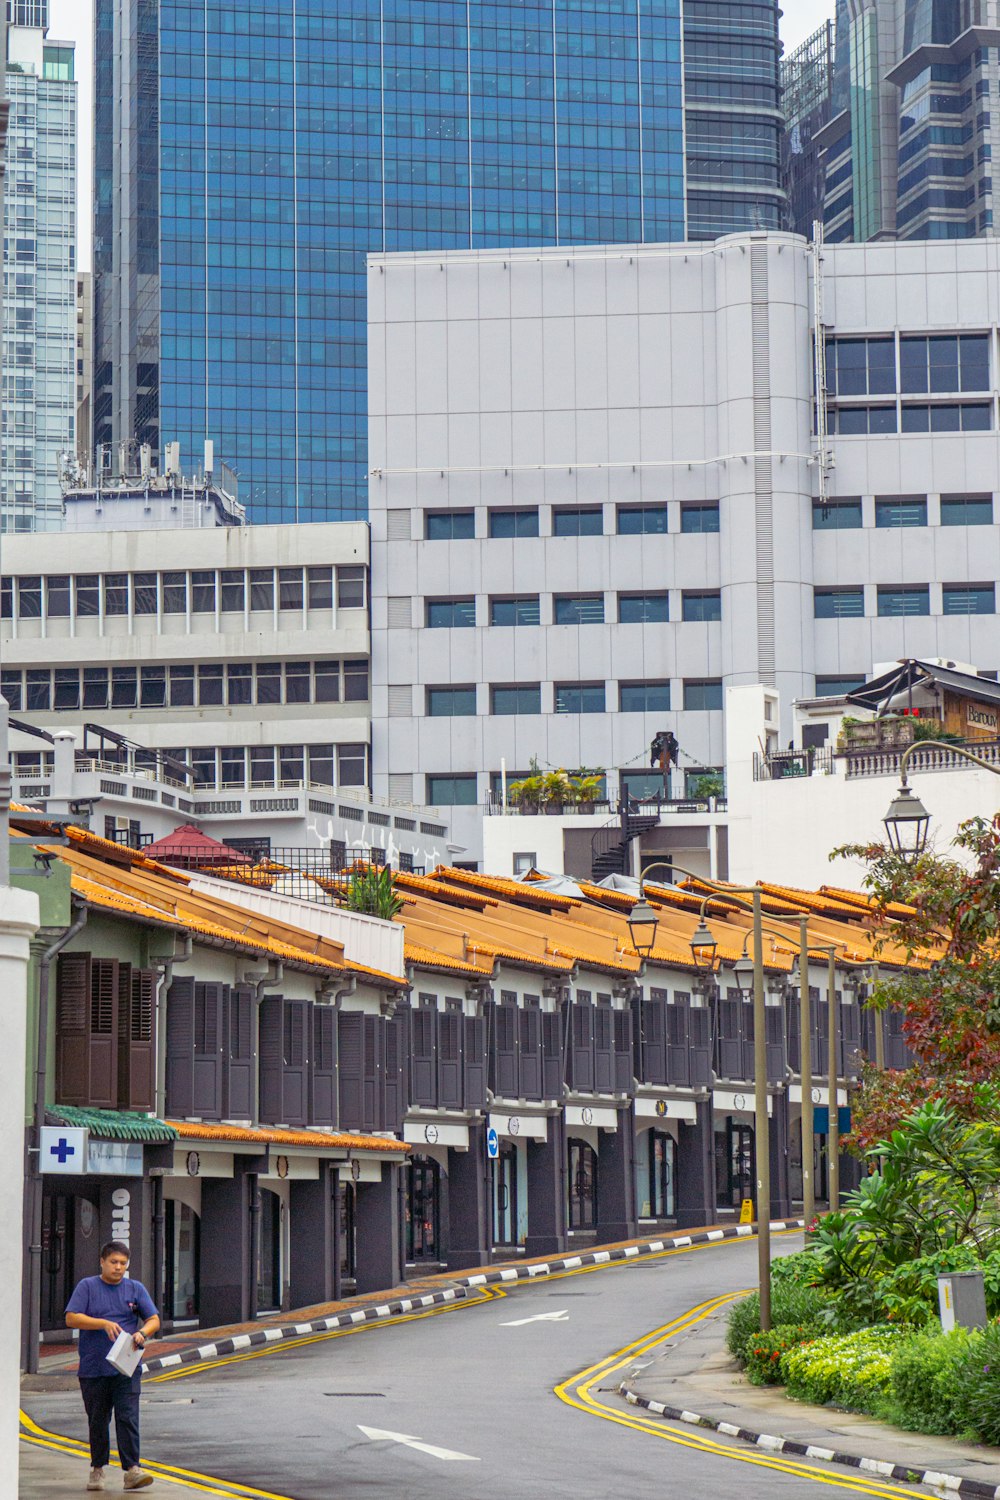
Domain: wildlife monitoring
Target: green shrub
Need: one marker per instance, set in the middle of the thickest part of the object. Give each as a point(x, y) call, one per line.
point(763, 1352)
point(977, 1387)
point(791, 1302)
point(923, 1380)
point(848, 1369)
point(800, 1268)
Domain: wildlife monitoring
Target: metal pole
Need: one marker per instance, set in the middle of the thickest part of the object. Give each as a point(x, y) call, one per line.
point(879, 1029)
point(762, 1143)
point(805, 1074)
point(833, 1126)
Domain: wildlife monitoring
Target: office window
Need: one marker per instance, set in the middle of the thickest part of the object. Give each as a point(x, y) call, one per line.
point(232, 766)
point(969, 599)
point(116, 593)
point(520, 698)
point(451, 791)
point(643, 609)
point(319, 588)
point(837, 515)
point(12, 688)
point(572, 521)
point(704, 693)
point(904, 601)
point(203, 592)
point(261, 588)
point(232, 588)
point(451, 702)
point(6, 599)
point(291, 765)
point(641, 520)
point(327, 682)
point(951, 416)
point(644, 697)
point(355, 681)
point(351, 588)
point(579, 697)
point(838, 603)
point(57, 600)
point(322, 761)
point(182, 687)
point(523, 862)
point(262, 771)
point(449, 525)
point(95, 687)
point(455, 614)
point(153, 687)
point(37, 690)
point(239, 683)
point(66, 688)
point(701, 604)
point(699, 518)
point(29, 598)
point(144, 591)
point(836, 687)
point(966, 510)
point(269, 682)
point(900, 510)
point(203, 765)
point(124, 687)
point(522, 611)
point(210, 686)
point(944, 363)
point(857, 421)
point(861, 367)
point(298, 681)
point(513, 523)
point(578, 609)
point(290, 592)
point(174, 587)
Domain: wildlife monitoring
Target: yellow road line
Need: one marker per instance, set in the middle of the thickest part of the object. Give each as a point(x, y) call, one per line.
point(578, 1392)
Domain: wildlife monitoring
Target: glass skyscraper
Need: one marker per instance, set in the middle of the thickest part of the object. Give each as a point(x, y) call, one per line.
point(268, 147)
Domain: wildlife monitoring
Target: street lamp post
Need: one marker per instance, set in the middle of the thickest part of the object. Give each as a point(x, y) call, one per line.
point(907, 822)
point(833, 1103)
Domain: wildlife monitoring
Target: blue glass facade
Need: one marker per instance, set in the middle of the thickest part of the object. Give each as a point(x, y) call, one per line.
point(287, 141)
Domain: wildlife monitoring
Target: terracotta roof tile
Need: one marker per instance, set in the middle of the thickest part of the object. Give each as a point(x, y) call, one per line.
point(191, 1130)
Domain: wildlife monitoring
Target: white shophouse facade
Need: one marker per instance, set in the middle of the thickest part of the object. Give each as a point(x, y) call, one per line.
point(596, 501)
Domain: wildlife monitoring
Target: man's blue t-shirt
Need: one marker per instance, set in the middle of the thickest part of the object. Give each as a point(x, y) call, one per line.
point(128, 1304)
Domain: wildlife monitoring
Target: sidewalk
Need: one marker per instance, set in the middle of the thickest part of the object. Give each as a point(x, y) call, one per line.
point(46, 1475)
point(696, 1374)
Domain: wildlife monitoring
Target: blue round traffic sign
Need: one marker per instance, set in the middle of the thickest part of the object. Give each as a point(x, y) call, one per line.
point(492, 1144)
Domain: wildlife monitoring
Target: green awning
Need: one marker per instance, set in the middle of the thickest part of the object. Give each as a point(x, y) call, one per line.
point(113, 1124)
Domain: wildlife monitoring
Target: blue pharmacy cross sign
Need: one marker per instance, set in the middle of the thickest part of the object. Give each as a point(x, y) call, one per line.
point(62, 1150)
point(492, 1144)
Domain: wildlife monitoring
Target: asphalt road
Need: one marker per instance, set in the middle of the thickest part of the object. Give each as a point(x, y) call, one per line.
point(464, 1382)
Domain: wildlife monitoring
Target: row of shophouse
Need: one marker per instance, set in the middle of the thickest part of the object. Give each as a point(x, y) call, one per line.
point(275, 1099)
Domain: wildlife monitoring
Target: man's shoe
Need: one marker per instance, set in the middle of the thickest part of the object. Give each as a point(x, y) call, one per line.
point(137, 1479)
point(96, 1480)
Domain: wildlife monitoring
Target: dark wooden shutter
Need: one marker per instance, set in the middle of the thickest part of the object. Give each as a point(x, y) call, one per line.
point(552, 1055)
point(209, 1021)
point(297, 1034)
point(397, 1031)
point(475, 1062)
point(850, 1037)
point(793, 1031)
point(240, 1061)
point(897, 1053)
point(505, 1046)
point(423, 1026)
point(678, 1051)
point(530, 1051)
point(271, 1042)
point(821, 1033)
point(374, 1073)
point(604, 1071)
point(350, 1068)
point(323, 1069)
point(730, 1044)
point(623, 1051)
point(73, 1029)
point(450, 1060)
point(136, 1059)
point(746, 1021)
point(104, 1033)
point(180, 1048)
point(774, 1040)
point(699, 1041)
point(582, 1044)
point(654, 1054)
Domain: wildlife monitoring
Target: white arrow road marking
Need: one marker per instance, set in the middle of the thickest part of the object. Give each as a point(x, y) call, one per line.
point(552, 1317)
point(377, 1435)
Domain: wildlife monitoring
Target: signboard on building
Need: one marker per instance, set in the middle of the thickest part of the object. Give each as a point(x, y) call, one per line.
point(114, 1158)
point(981, 720)
point(64, 1149)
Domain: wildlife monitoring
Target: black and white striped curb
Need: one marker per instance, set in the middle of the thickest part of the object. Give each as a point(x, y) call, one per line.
point(461, 1288)
point(882, 1467)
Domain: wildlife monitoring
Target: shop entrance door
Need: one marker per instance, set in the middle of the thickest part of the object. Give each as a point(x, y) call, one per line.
point(582, 1185)
point(505, 1196)
point(182, 1233)
point(348, 1241)
point(735, 1164)
point(422, 1215)
point(269, 1264)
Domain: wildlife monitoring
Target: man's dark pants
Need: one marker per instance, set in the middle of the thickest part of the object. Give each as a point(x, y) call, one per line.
point(102, 1395)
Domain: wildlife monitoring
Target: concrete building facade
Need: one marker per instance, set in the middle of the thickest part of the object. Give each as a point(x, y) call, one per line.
point(598, 499)
point(39, 308)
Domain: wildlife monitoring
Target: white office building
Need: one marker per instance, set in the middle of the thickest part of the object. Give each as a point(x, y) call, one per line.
point(40, 288)
point(599, 497)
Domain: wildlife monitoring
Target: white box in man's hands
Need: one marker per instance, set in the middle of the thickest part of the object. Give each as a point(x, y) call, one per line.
point(124, 1355)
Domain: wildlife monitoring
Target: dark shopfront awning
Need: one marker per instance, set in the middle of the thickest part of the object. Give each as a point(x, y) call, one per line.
point(878, 694)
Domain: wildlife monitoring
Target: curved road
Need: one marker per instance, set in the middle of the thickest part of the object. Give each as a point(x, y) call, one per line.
point(479, 1381)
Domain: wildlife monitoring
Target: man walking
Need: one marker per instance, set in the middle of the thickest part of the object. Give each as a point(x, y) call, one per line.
point(102, 1307)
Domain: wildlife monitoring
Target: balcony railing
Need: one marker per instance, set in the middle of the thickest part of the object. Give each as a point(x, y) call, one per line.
point(933, 755)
